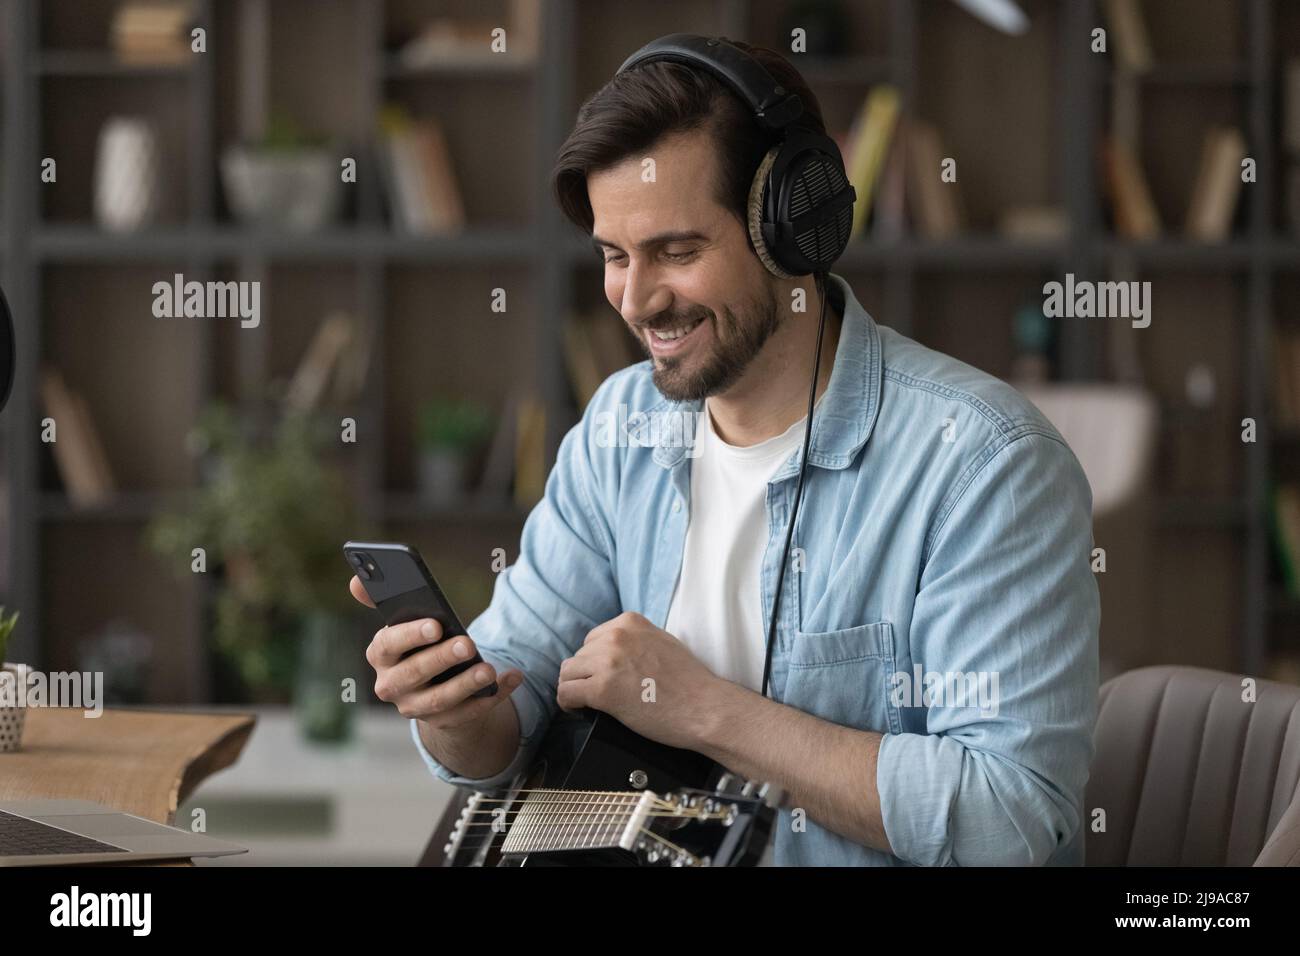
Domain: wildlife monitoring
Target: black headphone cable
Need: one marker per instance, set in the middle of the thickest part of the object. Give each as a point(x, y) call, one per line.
point(820, 279)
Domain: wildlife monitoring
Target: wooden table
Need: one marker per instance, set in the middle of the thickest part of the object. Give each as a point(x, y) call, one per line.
point(143, 762)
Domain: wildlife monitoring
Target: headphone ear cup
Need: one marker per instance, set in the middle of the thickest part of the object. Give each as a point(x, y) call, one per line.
point(808, 209)
point(758, 190)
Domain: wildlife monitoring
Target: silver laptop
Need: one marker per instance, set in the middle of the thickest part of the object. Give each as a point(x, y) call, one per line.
point(59, 832)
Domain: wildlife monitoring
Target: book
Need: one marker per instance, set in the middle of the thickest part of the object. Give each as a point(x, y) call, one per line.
point(525, 31)
point(580, 360)
point(1285, 515)
point(354, 364)
point(868, 147)
point(1034, 223)
point(595, 347)
point(889, 218)
point(1291, 107)
point(78, 454)
point(457, 42)
point(934, 205)
point(1128, 33)
point(447, 210)
point(499, 463)
point(1218, 184)
point(530, 451)
point(419, 178)
point(1292, 199)
point(612, 342)
point(1286, 378)
point(1134, 211)
point(319, 362)
point(152, 32)
point(408, 203)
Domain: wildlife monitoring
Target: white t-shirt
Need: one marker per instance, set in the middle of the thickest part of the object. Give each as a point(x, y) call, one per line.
point(716, 608)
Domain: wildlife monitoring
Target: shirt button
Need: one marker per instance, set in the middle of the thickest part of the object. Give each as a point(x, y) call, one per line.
point(677, 505)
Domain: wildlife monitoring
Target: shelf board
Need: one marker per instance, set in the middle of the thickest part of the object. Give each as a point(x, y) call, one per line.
point(55, 506)
point(124, 506)
point(1188, 74)
point(469, 67)
point(398, 506)
point(1182, 253)
point(983, 251)
point(85, 242)
point(1286, 254)
point(102, 63)
point(976, 251)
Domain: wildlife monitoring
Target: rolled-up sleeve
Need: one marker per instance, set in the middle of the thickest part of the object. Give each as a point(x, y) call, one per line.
point(1007, 592)
point(544, 604)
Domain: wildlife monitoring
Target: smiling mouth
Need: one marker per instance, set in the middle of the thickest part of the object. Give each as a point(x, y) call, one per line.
point(671, 335)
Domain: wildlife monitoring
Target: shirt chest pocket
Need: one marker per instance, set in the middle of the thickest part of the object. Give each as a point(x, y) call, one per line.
point(844, 676)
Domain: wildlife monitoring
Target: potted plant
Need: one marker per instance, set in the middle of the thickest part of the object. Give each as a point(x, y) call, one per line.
point(272, 516)
point(286, 180)
point(13, 712)
point(448, 433)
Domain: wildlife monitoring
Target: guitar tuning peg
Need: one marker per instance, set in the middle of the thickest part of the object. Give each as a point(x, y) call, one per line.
point(724, 783)
point(771, 795)
point(748, 789)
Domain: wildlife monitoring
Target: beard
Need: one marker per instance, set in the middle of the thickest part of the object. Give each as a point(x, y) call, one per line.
point(736, 341)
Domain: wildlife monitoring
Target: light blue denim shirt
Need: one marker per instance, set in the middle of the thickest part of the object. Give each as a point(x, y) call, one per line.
point(945, 530)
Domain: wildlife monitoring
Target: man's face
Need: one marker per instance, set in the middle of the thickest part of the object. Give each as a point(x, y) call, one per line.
point(676, 261)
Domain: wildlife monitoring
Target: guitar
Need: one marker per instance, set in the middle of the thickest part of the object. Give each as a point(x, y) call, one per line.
point(599, 794)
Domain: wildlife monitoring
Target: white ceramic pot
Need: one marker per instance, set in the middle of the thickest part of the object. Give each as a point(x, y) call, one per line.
point(296, 190)
point(12, 717)
point(128, 171)
point(441, 479)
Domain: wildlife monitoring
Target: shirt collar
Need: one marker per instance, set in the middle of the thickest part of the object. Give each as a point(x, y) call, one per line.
point(844, 419)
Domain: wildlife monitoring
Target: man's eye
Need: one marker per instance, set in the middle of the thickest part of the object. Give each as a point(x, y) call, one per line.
point(612, 259)
point(679, 256)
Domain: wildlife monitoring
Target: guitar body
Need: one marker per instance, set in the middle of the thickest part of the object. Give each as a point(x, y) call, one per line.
point(599, 794)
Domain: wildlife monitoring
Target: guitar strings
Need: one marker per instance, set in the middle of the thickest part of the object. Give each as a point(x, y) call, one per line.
point(609, 821)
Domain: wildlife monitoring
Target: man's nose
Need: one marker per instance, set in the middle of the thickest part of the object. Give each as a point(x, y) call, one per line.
point(643, 295)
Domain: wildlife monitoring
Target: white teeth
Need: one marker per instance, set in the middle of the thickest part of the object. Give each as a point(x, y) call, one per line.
point(676, 333)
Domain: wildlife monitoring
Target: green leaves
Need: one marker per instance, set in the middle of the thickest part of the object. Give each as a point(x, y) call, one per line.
point(460, 425)
point(7, 624)
point(273, 512)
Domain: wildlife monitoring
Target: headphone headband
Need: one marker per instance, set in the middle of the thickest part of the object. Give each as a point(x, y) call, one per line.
point(799, 210)
point(774, 107)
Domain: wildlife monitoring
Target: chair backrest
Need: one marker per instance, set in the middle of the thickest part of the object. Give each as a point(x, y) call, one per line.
point(1188, 773)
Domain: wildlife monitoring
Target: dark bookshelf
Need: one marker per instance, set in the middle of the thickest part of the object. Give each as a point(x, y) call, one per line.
point(914, 285)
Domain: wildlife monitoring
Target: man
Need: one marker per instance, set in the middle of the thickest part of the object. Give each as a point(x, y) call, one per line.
point(934, 678)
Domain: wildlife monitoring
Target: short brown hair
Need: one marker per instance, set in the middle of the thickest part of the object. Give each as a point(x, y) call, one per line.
point(637, 108)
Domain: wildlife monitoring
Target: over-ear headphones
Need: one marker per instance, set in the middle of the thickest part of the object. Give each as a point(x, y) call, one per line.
point(800, 202)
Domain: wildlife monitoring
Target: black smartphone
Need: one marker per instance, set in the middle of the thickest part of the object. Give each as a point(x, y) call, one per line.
point(396, 579)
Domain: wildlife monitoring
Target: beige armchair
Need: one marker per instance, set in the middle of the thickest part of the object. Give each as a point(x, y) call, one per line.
point(1189, 774)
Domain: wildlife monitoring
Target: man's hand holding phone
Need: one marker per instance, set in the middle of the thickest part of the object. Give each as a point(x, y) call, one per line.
point(407, 656)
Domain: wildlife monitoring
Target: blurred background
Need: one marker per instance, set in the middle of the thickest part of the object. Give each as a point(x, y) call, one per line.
point(429, 326)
